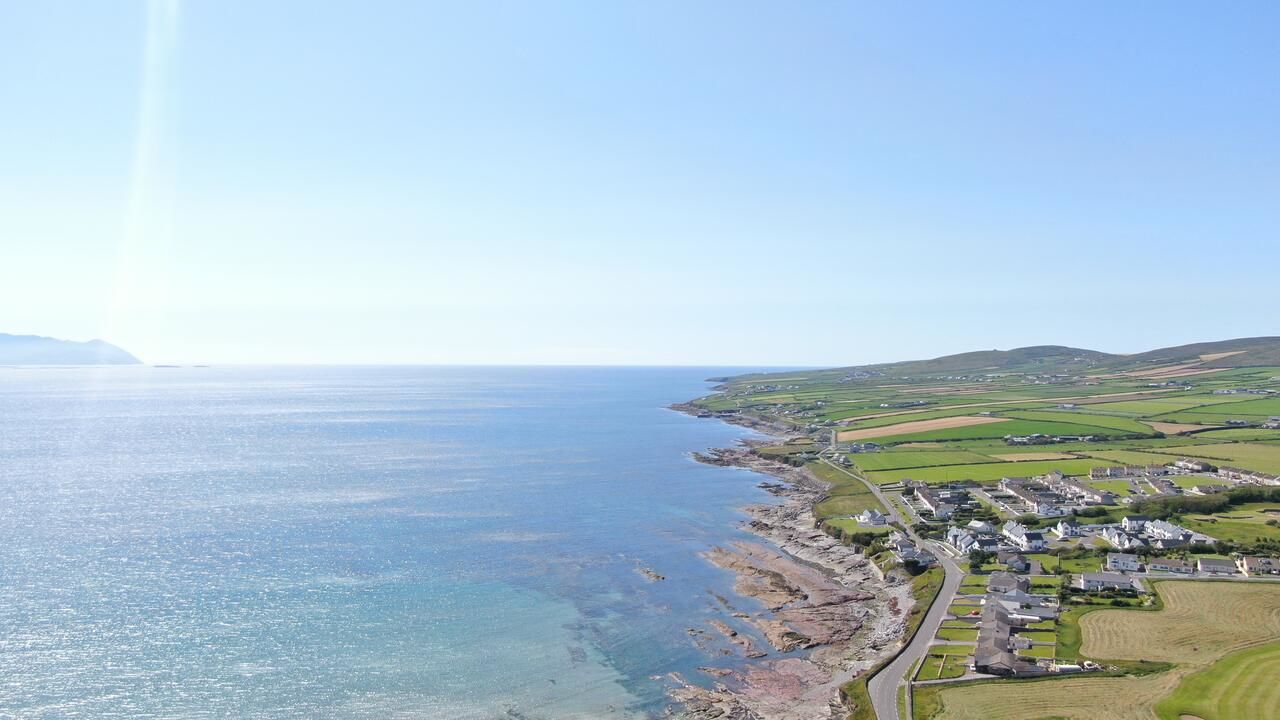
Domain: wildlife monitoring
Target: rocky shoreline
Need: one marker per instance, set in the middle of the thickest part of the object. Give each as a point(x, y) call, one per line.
point(829, 613)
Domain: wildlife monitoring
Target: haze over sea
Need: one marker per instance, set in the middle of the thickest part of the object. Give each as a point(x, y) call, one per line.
point(356, 542)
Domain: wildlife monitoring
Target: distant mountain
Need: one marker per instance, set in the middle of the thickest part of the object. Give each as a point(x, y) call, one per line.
point(1055, 359)
point(37, 350)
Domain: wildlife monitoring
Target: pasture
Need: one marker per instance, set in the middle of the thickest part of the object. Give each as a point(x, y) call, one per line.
point(984, 472)
point(1082, 417)
point(920, 426)
point(1245, 524)
point(987, 430)
point(1247, 455)
point(891, 460)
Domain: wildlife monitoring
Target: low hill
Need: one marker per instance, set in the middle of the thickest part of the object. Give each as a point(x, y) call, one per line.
point(37, 350)
point(1241, 352)
point(1057, 359)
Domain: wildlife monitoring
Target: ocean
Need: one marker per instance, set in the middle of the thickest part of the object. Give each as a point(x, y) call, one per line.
point(359, 542)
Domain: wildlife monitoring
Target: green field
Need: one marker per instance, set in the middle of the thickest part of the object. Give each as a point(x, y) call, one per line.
point(1132, 457)
point(848, 495)
point(1082, 417)
point(1247, 455)
point(984, 472)
point(916, 458)
point(1241, 524)
point(1239, 434)
point(1240, 685)
point(1000, 429)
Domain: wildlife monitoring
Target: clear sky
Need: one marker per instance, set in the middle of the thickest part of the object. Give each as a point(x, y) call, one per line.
point(636, 182)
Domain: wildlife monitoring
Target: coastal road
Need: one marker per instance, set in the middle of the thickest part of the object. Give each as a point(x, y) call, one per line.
point(883, 688)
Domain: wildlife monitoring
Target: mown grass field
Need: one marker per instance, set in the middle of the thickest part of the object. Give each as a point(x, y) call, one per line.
point(1240, 685)
point(1200, 619)
point(1221, 635)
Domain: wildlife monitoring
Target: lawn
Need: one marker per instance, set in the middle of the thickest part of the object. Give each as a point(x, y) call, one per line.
point(957, 635)
point(1116, 487)
point(1240, 685)
point(1190, 481)
point(1049, 563)
point(1037, 651)
point(960, 609)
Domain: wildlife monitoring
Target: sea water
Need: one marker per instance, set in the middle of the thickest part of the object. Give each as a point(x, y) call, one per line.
point(358, 542)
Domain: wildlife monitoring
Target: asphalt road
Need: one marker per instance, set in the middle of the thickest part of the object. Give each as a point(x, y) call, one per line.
point(883, 688)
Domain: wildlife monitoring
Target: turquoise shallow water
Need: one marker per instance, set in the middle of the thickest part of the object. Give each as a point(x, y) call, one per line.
point(356, 542)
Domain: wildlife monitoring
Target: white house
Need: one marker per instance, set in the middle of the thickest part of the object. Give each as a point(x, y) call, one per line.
point(1090, 582)
point(1123, 562)
point(1133, 523)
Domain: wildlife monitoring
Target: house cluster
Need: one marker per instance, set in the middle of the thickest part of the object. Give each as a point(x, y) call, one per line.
point(1020, 537)
point(865, 447)
point(1076, 491)
point(1139, 531)
point(977, 535)
point(1272, 423)
point(907, 553)
point(1193, 465)
point(1253, 477)
point(1052, 494)
point(905, 404)
point(942, 501)
point(1127, 471)
point(1031, 496)
point(1008, 608)
point(1247, 565)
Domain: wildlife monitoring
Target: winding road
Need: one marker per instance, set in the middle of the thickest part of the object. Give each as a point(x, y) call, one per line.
point(883, 687)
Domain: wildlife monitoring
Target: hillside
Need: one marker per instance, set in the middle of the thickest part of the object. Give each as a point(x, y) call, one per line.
point(1055, 359)
point(37, 350)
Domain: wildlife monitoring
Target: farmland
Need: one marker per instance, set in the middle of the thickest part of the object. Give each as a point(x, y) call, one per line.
point(1253, 456)
point(1220, 636)
point(1241, 685)
point(982, 472)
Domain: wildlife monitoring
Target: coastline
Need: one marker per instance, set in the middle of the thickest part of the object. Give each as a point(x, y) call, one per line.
point(830, 613)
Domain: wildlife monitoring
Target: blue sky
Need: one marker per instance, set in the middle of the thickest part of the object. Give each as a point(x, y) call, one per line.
point(659, 182)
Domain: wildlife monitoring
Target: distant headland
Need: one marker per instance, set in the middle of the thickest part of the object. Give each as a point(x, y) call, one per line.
point(38, 350)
